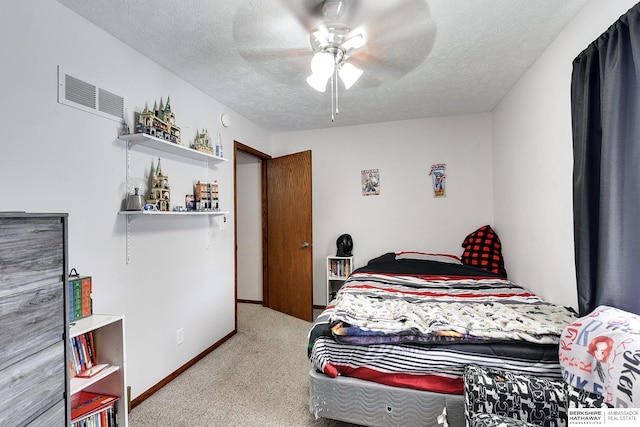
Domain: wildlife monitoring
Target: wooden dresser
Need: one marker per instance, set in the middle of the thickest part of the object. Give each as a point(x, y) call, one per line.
point(33, 368)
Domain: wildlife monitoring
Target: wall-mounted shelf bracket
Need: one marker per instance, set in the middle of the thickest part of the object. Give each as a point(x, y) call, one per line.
point(132, 214)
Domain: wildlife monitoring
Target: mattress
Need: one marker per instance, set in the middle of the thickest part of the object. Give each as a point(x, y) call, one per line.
point(367, 403)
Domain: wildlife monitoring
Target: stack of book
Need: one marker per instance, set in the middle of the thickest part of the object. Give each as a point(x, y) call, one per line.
point(339, 268)
point(80, 303)
point(82, 356)
point(93, 410)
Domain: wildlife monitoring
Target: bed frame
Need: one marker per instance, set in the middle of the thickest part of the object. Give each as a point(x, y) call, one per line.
point(367, 403)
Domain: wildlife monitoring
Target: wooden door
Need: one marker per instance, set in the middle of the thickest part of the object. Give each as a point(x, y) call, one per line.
point(289, 240)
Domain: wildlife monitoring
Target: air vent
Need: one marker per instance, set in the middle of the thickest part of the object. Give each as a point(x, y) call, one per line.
point(85, 96)
point(110, 103)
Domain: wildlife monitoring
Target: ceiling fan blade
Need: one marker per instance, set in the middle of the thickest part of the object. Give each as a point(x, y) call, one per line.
point(266, 40)
point(308, 13)
point(353, 43)
point(392, 50)
point(384, 16)
point(313, 14)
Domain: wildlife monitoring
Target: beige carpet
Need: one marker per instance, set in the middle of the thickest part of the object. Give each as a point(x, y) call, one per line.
point(257, 378)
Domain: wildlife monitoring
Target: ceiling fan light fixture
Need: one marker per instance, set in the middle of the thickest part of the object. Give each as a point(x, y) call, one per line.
point(349, 74)
point(318, 82)
point(323, 64)
point(333, 44)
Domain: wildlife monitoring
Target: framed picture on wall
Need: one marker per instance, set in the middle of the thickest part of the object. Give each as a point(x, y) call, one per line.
point(370, 180)
point(439, 179)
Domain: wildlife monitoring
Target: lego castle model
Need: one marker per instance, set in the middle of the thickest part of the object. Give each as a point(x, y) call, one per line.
point(202, 142)
point(160, 193)
point(161, 123)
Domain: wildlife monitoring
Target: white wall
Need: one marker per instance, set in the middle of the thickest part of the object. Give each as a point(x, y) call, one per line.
point(59, 159)
point(249, 221)
point(405, 216)
point(533, 161)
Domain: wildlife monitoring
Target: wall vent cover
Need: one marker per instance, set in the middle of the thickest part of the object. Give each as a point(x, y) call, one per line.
point(85, 96)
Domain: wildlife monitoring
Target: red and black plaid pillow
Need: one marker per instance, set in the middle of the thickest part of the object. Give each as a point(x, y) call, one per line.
point(483, 249)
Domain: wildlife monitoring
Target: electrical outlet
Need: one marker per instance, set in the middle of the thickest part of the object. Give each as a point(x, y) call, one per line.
point(179, 336)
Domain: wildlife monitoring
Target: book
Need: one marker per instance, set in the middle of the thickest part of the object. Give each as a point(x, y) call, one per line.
point(71, 303)
point(94, 370)
point(89, 340)
point(74, 365)
point(77, 298)
point(78, 353)
point(86, 288)
point(85, 351)
point(74, 358)
point(85, 403)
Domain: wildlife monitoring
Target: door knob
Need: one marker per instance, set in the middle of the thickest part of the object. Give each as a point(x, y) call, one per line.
point(305, 245)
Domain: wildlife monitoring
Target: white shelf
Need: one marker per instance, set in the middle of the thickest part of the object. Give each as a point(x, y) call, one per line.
point(158, 213)
point(169, 147)
point(79, 384)
point(91, 323)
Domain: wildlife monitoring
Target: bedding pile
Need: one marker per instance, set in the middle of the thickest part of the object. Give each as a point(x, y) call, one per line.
point(415, 320)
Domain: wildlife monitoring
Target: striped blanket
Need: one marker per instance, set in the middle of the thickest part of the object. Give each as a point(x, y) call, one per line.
point(383, 308)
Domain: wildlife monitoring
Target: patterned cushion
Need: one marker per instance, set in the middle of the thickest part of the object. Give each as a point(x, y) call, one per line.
point(583, 399)
point(521, 397)
point(492, 420)
point(483, 249)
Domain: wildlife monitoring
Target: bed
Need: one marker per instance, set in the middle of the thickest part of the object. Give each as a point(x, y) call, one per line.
point(391, 348)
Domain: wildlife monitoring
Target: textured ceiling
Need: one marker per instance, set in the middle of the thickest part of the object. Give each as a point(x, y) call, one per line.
point(423, 58)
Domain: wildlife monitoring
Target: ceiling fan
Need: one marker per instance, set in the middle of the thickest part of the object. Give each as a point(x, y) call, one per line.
point(367, 41)
point(333, 43)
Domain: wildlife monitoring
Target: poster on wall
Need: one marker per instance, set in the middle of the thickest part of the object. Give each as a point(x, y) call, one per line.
point(370, 182)
point(439, 179)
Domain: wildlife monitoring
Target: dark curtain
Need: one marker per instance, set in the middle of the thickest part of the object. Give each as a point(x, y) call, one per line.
point(605, 113)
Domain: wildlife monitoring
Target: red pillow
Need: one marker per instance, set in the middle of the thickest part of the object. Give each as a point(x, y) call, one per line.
point(483, 249)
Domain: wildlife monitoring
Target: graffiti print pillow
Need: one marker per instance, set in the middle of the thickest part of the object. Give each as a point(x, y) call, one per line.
point(521, 397)
point(583, 399)
point(600, 353)
point(492, 420)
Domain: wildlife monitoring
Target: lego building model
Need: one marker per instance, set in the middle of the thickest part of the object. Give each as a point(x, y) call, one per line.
point(160, 193)
point(161, 122)
point(207, 196)
point(202, 142)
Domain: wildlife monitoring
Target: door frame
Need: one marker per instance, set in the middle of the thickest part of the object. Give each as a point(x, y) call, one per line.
point(238, 146)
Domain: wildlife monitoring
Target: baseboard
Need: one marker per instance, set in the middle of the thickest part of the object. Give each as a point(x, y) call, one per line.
point(250, 301)
point(144, 396)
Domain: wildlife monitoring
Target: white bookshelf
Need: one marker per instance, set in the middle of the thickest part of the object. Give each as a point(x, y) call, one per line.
point(338, 270)
point(109, 342)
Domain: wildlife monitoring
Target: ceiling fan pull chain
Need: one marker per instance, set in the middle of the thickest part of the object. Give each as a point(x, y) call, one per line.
point(335, 79)
point(333, 108)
